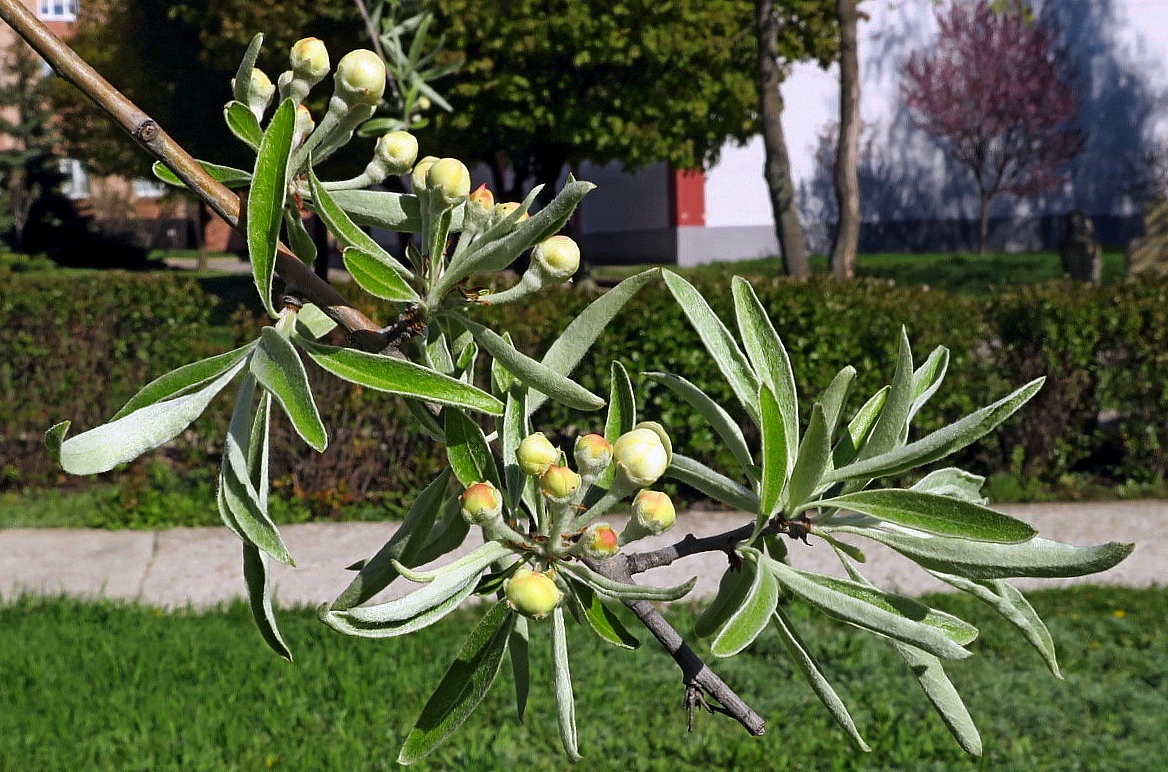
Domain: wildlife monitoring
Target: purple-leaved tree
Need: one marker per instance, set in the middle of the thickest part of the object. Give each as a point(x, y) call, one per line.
point(995, 91)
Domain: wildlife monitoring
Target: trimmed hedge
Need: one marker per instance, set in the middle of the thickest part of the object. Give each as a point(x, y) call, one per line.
point(77, 346)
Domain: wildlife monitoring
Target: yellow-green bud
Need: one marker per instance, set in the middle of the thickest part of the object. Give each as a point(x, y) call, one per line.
point(397, 150)
point(259, 93)
point(360, 78)
point(449, 180)
point(643, 454)
point(600, 541)
point(481, 503)
point(303, 126)
point(559, 483)
point(421, 169)
point(536, 453)
point(483, 198)
point(504, 210)
point(593, 454)
point(532, 594)
point(309, 59)
point(654, 511)
point(558, 258)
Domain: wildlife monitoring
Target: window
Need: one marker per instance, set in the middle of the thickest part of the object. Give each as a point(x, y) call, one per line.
point(76, 182)
point(146, 187)
point(57, 10)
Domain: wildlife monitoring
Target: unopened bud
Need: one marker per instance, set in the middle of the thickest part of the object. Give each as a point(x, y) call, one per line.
point(309, 59)
point(559, 483)
point(481, 503)
point(535, 454)
point(483, 198)
point(558, 258)
point(421, 169)
point(397, 150)
point(360, 78)
point(304, 125)
point(259, 93)
point(654, 511)
point(643, 454)
point(449, 180)
point(532, 594)
point(504, 210)
point(600, 541)
point(593, 454)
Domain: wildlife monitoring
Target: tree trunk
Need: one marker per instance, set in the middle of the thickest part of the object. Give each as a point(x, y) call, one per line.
point(778, 164)
point(983, 223)
point(847, 182)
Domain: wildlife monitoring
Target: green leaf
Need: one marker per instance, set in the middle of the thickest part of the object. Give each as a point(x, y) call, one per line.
point(732, 589)
point(487, 255)
point(602, 620)
point(774, 456)
point(769, 357)
point(627, 592)
point(892, 425)
point(803, 660)
point(718, 342)
point(313, 323)
point(399, 212)
point(812, 461)
point(622, 414)
point(463, 687)
point(835, 395)
point(265, 201)
point(931, 513)
point(899, 618)
point(946, 700)
point(927, 379)
point(186, 378)
point(954, 483)
point(519, 648)
point(242, 506)
point(531, 373)
point(278, 368)
point(400, 376)
point(718, 419)
point(1004, 598)
point(567, 350)
point(299, 241)
point(377, 277)
point(859, 428)
point(102, 448)
point(378, 572)
point(751, 617)
point(468, 452)
point(241, 83)
point(716, 486)
point(243, 124)
point(259, 593)
point(229, 176)
point(1037, 557)
point(562, 681)
point(372, 261)
point(940, 443)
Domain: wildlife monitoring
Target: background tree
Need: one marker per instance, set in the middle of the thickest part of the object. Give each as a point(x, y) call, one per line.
point(847, 157)
point(29, 171)
point(794, 31)
point(553, 84)
point(995, 91)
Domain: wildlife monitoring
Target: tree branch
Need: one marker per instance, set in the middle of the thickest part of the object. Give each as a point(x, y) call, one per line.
point(694, 672)
point(364, 333)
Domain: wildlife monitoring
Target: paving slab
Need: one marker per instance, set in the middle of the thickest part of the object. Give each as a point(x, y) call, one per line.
point(202, 567)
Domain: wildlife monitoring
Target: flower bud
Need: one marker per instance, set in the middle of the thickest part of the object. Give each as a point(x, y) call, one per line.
point(535, 454)
point(643, 454)
point(503, 211)
point(593, 454)
point(259, 93)
point(559, 483)
point(600, 541)
point(532, 594)
point(309, 59)
point(303, 126)
point(483, 198)
point(481, 503)
point(360, 78)
point(558, 258)
point(449, 180)
point(654, 511)
point(397, 150)
point(421, 169)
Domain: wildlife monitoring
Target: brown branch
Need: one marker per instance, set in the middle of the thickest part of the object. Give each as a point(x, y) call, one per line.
point(694, 672)
point(691, 545)
point(363, 331)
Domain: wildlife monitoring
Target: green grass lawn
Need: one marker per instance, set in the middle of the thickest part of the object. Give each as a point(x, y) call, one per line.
point(102, 686)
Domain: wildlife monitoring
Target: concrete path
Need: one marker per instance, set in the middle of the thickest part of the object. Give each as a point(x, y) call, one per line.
point(201, 567)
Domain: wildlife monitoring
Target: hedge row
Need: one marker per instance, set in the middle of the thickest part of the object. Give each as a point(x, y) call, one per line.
point(77, 346)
